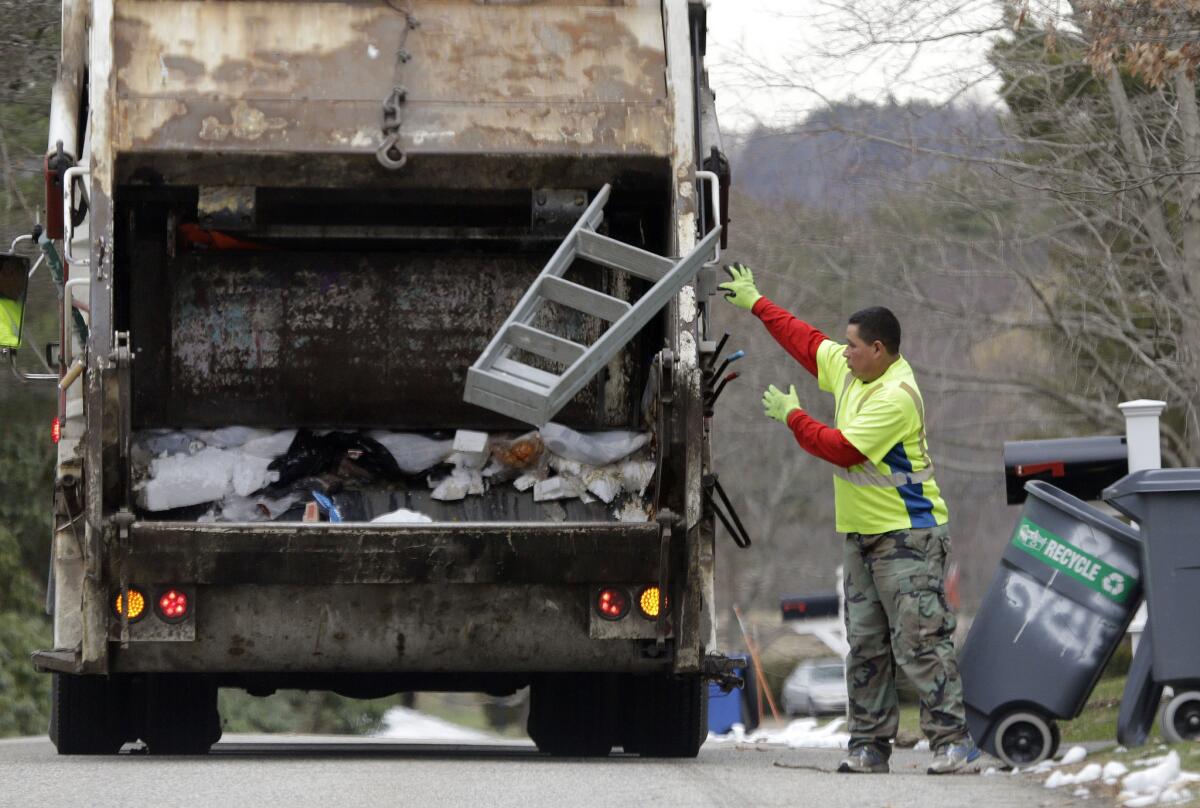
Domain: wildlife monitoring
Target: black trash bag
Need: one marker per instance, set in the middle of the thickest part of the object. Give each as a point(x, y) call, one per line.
point(311, 455)
point(308, 455)
point(370, 455)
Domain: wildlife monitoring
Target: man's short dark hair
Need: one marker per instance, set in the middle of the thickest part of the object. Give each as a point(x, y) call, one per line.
point(878, 323)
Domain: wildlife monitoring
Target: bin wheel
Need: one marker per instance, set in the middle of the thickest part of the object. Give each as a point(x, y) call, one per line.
point(1026, 738)
point(1181, 717)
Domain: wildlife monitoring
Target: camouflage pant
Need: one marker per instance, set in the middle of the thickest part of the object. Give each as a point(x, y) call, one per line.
point(896, 615)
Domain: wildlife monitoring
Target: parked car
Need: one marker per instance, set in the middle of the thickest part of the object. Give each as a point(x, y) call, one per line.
point(816, 686)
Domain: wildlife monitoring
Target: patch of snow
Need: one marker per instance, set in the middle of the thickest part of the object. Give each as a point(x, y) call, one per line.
point(1076, 754)
point(1081, 792)
point(990, 771)
point(1087, 774)
point(803, 733)
point(1114, 769)
point(1160, 784)
point(402, 723)
point(921, 745)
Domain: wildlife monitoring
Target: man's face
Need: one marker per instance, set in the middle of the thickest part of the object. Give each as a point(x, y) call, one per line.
point(865, 360)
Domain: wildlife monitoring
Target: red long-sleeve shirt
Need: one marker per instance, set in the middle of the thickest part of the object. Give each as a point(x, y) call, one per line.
point(801, 340)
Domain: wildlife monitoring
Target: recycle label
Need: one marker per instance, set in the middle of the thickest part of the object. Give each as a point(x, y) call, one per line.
point(1054, 551)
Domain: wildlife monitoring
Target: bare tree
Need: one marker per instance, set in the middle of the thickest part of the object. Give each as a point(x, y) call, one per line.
point(1090, 200)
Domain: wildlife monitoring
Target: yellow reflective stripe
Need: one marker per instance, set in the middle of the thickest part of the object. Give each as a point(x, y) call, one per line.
point(874, 479)
point(837, 409)
point(920, 405)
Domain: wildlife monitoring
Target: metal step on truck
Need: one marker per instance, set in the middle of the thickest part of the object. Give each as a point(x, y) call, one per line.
point(371, 223)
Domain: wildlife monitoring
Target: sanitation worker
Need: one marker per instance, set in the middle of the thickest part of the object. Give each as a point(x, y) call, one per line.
point(12, 280)
point(895, 521)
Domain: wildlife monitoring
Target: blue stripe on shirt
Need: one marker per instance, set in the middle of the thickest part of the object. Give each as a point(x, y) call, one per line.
point(920, 507)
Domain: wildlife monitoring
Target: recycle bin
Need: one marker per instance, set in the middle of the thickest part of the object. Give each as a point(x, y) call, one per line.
point(1067, 588)
point(1166, 505)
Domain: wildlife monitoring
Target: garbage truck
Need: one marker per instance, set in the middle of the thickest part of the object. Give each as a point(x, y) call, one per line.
point(308, 219)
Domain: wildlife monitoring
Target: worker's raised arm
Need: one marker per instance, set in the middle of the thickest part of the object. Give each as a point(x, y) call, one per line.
point(797, 337)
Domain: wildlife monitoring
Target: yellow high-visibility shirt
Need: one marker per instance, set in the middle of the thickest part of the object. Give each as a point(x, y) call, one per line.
point(10, 322)
point(884, 420)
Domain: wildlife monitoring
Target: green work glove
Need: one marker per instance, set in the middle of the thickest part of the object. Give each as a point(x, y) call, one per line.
point(778, 404)
point(740, 291)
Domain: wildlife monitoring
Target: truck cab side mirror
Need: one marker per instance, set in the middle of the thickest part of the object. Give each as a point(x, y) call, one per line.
point(14, 279)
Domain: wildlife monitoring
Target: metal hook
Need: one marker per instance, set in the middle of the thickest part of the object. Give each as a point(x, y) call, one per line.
point(390, 155)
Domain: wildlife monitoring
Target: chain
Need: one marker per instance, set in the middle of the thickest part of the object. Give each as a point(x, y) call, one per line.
point(389, 153)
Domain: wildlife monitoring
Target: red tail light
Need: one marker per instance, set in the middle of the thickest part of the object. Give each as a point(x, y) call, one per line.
point(612, 604)
point(172, 605)
point(55, 430)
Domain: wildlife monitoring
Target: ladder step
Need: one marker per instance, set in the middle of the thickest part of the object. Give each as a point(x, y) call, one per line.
point(607, 252)
point(485, 387)
point(542, 344)
point(525, 372)
point(582, 298)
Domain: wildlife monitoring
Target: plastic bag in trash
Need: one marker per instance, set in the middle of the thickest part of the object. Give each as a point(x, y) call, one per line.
point(519, 453)
point(413, 453)
point(594, 449)
point(402, 517)
point(327, 505)
point(229, 437)
point(166, 441)
point(311, 454)
point(271, 446)
point(180, 480)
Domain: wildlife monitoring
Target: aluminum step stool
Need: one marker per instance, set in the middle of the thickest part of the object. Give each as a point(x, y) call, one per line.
point(504, 385)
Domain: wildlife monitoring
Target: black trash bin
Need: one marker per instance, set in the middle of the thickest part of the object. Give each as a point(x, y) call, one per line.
point(1166, 505)
point(1067, 587)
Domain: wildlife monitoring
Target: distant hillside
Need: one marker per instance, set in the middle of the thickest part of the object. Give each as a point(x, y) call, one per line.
point(833, 160)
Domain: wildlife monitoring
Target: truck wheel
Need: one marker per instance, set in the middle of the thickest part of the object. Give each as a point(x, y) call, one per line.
point(181, 715)
point(1025, 738)
point(570, 714)
point(1181, 717)
point(669, 715)
point(87, 714)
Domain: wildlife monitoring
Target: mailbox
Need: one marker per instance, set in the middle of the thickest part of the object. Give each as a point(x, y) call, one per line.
point(1080, 466)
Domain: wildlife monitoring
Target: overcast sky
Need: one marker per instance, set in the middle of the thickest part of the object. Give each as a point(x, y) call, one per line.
point(788, 35)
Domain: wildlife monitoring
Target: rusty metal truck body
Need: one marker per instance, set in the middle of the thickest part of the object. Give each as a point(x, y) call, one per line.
point(389, 266)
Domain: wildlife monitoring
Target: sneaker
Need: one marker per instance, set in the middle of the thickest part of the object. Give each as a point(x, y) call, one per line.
point(953, 757)
point(864, 760)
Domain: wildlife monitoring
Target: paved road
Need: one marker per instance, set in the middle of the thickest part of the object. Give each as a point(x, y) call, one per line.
point(281, 772)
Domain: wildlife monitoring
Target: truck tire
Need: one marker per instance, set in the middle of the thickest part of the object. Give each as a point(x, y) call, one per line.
point(87, 714)
point(669, 716)
point(571, 714)
point(181, 715)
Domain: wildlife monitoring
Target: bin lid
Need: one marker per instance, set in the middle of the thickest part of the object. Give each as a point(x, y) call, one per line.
point(1122, 494)
point(1076, 508)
